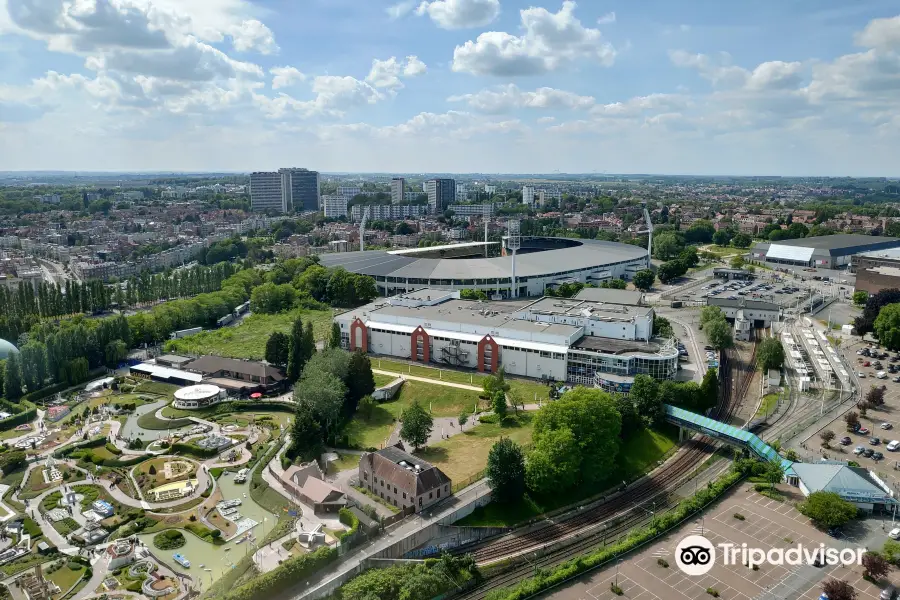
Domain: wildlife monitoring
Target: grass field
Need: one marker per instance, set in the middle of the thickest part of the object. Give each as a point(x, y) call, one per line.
point(444, 402)
point(465, 454)
point(637, 456)
point(248, 340)
point(527, 391)
point(344, 462)
point(380, 380)
point(150, 421)
point(723, 251)
point(767, 406)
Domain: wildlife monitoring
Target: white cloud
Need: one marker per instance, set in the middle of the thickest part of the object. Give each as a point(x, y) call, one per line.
point(401, 9)
point(285, 77)
point(883, 34)
point(460, 14)
point(451, 125)
point(606, 19)
point(387, 73)
point(509, 97)
point(253, 35)
point(548, 42)
point(775, 75)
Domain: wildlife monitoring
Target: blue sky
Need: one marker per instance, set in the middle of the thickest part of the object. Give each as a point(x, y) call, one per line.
point(805, 87)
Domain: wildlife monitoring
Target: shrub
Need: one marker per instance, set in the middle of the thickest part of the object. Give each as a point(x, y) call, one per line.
point(152, 470)
point(615, 589)
point(284, 576)
point(169, 539)
point(662, 563)
point(712, 592)
point(739, 517)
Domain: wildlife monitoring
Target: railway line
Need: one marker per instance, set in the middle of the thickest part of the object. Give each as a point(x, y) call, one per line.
point(612, 519)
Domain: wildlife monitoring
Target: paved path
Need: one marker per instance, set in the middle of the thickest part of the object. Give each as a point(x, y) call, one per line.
point(462, 386)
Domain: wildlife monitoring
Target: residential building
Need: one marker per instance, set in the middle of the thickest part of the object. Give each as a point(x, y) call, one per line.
point(299, 190)
point(334, 206)
point(403, 480)
point(473, 210)
point(307, 484)
point(441, 194)
point(265, 192)
point(133, 195)
point(348, 191)
point(528, 195)
point(398, 190)
point(385, 212)
point(237, 376)
point(462, 192)
point(48, 198)
point(490, 189)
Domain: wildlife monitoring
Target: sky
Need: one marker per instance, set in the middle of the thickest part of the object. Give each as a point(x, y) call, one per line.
point(710, 87)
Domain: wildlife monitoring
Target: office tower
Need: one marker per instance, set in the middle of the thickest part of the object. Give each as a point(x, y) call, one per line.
point(441, 194)
point(335, 206)
point(299, 189)
point(398, 189)
point(265, 192)
point(528, 195)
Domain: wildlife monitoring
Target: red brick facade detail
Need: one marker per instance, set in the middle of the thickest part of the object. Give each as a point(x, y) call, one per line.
point(420, 334)
point(359, 329)
point(488, 342)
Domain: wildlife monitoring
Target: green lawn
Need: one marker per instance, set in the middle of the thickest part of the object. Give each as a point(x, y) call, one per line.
point(65, 577)
point(150, 421)
point(345, 462)
point(248, 340)
point(637, 456)
point(155, 387)
point(380, 381)
point(723, 251)
point(767, 406)
point(442, 400)
point(523, 389)
point(464, 455)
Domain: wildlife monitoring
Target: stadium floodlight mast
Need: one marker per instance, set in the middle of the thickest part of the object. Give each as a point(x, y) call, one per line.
point(513, 244)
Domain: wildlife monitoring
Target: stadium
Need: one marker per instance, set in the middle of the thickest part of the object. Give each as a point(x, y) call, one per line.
point(540, 264)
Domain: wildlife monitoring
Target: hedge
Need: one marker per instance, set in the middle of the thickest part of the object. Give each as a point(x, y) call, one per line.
point(59, 387)
point(659, 525)
point(91, 443)
point(182, 448)
point(27, 412)
point(347, 517)
point(288, 574)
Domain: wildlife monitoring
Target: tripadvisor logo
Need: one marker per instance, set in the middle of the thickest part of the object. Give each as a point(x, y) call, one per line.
point(696, 555)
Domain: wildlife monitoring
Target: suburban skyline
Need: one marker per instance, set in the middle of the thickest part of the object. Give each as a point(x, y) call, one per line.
point(464, 86)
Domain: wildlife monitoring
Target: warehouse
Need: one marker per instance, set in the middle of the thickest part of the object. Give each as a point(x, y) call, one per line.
point(577, 340)
point(825, 252)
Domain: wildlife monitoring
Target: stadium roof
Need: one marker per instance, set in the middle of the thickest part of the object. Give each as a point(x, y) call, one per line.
point(833, 244)
point(586, 254)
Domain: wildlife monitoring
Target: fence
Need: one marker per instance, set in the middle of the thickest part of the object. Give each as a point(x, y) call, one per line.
point(459, 485)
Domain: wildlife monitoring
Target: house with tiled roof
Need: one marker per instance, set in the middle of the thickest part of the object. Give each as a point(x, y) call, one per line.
point(402, 479)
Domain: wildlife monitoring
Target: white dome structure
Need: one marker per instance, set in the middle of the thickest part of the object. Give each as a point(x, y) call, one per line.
point(198, 396)
point(6, 348)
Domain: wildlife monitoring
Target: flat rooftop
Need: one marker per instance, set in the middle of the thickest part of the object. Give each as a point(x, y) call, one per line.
point(576, 307)
point(890, 253)
point(845, 241)
point(614, 346)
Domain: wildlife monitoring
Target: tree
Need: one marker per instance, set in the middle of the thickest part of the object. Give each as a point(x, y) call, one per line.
point(662, 327)
point(875, 396)
point(631, 421)
point(553, 464)
point(12, 377)
point(860, 297)
point(737, 262)
point(852, 420)
point(12, 461)
point(741, 240)
point(323, 393)
point(306, 434)
point(671, 270)
point(710, 313)
point(506, 471)
point(887, 326)
point(366, 407)
point(865, 323)
point(278, 348)
point(269, 298)
point(827, 509)
point(415, 425)
point(837, 589)
point(826, 436)
point(592, 417)
point(719, 334)
point(645, 396)
point(498, 403)
point(666, 246)
point(462, 419)
point(770, 354)
point(308, 343)
point(700, 232)
point(722, 237)
point(643, 280)
point(874, 566)
point(335, 339)
point(709, 389)
point(360, 380)
point(689, 257)
point(296, 360)
point(115, 352)
point(152, 470)
point(495, 383)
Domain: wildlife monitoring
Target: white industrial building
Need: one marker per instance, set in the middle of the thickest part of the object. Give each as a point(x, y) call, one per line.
point(760, 313)
point(582, 341)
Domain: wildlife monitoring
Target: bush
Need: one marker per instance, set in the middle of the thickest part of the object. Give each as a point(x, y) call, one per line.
point(169, 539)
point(739, 517)
point(284, 576)
point(347, 517)
point(712, 592)
point(192, 450)
point(662, 563)
point(112, 449)
point(615, 589)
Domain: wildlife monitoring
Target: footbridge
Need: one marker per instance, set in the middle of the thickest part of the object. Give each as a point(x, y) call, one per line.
point(728, 434)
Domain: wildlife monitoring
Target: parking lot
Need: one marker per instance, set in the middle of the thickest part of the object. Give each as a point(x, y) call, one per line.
point(767, 524)
point(882, 423)
point(767, 286)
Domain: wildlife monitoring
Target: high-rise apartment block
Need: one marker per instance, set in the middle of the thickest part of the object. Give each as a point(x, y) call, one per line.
point(528, 195)
point(299, 190)
point(335, 206)
point(265, 191)
point(398, 189)
point(349, 191)
point(441, 194)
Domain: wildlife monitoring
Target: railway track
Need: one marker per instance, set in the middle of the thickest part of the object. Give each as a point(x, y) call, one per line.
point(614, 518)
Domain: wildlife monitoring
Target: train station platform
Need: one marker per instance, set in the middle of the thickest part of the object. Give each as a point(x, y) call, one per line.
point(729, 434)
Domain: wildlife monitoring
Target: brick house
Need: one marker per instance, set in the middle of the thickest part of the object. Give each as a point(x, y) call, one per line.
point(403, 480)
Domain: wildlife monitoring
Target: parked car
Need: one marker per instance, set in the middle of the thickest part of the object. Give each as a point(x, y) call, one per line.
point(886, 426)
point(861, 375)
point(877, 456)
point(874, 441)
point(893, 446)
point(895, 533)
point(888, 593)
point(846, 441)
point(863, 431)
point(859, 450)
point(868, 453)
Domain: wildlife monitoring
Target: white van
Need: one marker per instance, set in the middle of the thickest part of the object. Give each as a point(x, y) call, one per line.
point(881, 375)
point(893, 446)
